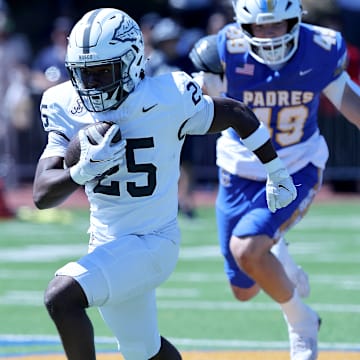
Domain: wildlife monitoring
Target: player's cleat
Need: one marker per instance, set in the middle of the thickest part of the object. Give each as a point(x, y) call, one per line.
point(304, 338)
point(301, 281)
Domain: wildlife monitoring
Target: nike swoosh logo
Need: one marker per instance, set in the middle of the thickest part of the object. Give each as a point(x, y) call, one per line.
point(284, 187)
point(97, 161)
point(305, 72)
point(144, 109)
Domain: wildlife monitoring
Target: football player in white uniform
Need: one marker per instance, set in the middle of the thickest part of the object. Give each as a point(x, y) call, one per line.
point(134, 235)
point(278, 66)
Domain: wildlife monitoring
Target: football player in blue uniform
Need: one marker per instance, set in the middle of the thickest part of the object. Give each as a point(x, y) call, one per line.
point(279, 67)
point(134, 234)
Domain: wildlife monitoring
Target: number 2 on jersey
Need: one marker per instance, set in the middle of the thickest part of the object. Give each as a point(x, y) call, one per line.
point(132, 167)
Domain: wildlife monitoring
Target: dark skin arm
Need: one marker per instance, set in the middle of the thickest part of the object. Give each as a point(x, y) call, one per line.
point(52, 183)
point(235, 114)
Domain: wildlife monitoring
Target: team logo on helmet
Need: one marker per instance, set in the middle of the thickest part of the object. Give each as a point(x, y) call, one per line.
point(268, 5)
point(126, 31)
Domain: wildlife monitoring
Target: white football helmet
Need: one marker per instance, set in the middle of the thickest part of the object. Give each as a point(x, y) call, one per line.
point(105, 58)
point(270, 51)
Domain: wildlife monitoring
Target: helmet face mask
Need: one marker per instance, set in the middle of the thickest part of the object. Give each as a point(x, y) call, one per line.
point(273, 51)
point(105, 58)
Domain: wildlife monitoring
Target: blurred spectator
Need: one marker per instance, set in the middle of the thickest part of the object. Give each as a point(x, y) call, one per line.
point(48, 69)
point(314, 10)
point(216, 21)
point(147, 23)
point(164, 39)
point(15, 100)
point(191, 13)
point(49, 65)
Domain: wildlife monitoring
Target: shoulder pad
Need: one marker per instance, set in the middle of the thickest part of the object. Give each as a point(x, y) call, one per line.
point(205, 57)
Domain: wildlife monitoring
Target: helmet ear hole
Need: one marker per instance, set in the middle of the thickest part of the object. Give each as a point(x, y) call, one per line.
point(291, 23)
point(247, 28)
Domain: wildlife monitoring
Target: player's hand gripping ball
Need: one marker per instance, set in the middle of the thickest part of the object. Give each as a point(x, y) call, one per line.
point(96, 151)
point(94, 132)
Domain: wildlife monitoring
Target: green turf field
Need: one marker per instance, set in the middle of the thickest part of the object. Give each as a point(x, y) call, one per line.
point(196, 308)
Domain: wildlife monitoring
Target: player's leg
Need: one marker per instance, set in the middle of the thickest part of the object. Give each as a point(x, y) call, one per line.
point(111, 275)
point(134, 324)
point(251, 253)
point(66, 303)
point(231, 203)
point(131, 313)
point(253, 256)
point(295, 272)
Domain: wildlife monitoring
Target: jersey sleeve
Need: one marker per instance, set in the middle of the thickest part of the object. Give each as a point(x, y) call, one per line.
point(230, 40)
point(197, 108)
point(57, 105)
point(341, 56)
point(56, 145)
point(329, 48)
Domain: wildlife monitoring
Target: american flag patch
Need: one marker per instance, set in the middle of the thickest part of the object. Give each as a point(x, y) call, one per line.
point(247, 69)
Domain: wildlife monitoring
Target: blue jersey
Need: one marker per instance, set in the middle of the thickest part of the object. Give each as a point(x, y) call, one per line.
point(287, 99)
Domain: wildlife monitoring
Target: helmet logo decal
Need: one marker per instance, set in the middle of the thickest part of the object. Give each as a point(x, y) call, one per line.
point(267, 5)
point(126, 31)
point(88, 27)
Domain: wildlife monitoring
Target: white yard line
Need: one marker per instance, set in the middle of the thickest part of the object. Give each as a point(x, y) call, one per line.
point(203, 344)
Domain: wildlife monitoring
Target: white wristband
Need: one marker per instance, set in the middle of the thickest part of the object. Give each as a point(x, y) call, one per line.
point(258, 138)
point(274, 165)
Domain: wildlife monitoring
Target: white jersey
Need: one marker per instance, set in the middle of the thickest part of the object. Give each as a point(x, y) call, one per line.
point(141, 197)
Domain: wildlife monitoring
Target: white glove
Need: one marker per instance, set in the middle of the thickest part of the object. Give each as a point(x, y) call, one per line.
point(280, 189)
point(95, 160)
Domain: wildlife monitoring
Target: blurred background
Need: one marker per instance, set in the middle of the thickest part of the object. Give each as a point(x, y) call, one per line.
point(32, 49)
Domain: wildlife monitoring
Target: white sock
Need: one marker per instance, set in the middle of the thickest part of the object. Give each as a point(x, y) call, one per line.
point(295, 311)
point(281, 252)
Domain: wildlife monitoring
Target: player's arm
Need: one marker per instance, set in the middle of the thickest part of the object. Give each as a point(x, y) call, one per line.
point(205, 58)
point(350, 104)
point(345, 96)
point(235, 114)
point(52, 183)
point(280, 189)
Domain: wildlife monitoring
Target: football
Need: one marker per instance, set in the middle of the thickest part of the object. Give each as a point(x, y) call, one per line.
point(72, 154)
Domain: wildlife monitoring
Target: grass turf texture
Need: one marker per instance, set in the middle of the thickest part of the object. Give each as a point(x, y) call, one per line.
point(196, 308)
